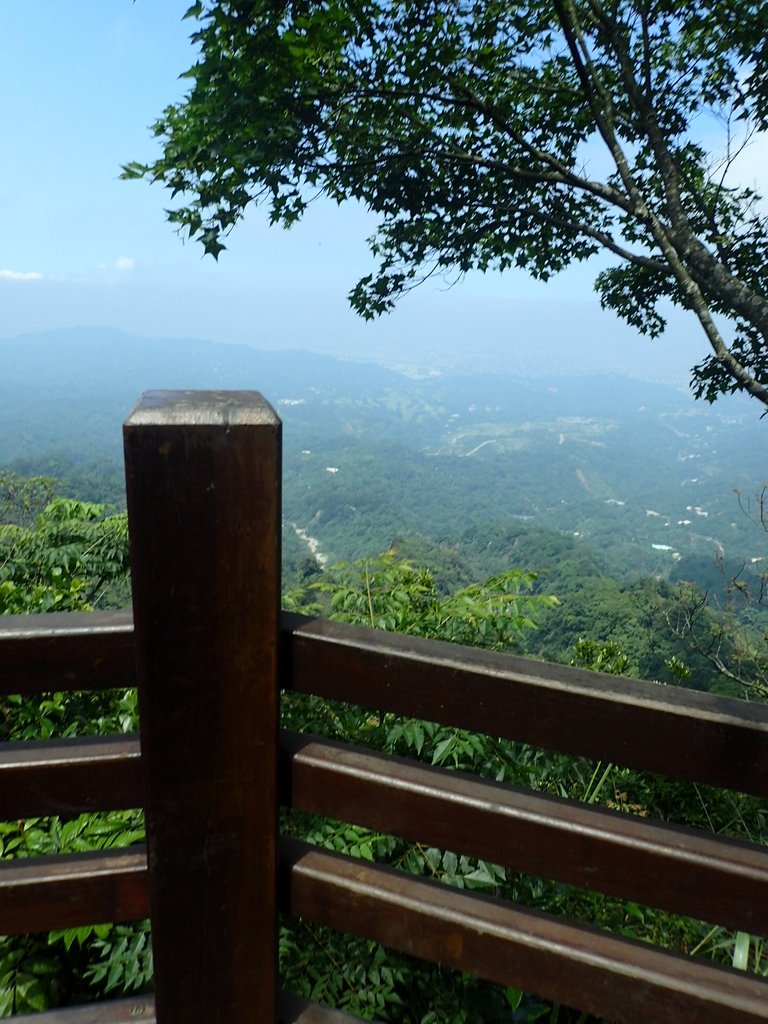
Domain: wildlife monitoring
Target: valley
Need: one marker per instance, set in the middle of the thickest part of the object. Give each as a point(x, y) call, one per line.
point(642, 472)
point(610, 488)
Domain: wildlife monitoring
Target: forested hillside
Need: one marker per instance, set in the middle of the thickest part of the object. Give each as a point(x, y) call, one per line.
point(610, 488)
point(549, 519)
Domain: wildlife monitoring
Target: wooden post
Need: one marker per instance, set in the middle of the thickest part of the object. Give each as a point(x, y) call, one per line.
point(203, 488)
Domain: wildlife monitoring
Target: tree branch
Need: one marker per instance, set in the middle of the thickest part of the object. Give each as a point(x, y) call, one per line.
point(701, 264)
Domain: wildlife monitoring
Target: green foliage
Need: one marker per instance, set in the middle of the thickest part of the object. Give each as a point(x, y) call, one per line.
point(374, 983)
point(38, 837)
point(392, 593)
point(434, 115)
point(72, 965)
point(23, 498)
point(600, 657)
point(389, 592)
point(60, 554)
point(76, 964)
point(68, 558)
point(123, 959)
point(29, 976)
point(731, 641)
point(68, 713)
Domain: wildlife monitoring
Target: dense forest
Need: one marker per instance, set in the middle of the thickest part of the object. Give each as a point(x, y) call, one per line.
point(584, 518)
point(482, 511)
point(616, 492)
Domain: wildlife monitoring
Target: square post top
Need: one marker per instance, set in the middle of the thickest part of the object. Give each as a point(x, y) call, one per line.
point(202, 408)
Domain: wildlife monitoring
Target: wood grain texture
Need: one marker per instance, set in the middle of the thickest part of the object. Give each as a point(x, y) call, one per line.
point(682, 733)
point(66, 651)
point(293, 1010)
point(141, 1010)
point(138, 1010)
point(678, 732)
point(624, 981)
point(42, 893)
point(69, 777)
point(677, 869)
point(203, 490)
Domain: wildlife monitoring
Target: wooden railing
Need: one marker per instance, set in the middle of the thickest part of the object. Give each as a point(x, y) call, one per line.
point(210, 653)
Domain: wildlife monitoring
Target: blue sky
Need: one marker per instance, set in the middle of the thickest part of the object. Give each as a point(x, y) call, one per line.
point(82, 81)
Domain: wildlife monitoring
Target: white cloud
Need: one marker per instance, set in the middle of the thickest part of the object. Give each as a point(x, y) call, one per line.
point(125, 263)
point(20, 275)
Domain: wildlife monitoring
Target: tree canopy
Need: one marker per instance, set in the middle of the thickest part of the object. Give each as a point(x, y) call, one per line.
point(58, 554)
point(486, 135)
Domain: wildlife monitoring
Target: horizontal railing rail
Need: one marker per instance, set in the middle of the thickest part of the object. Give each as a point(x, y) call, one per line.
point(670, 867)
point(67, 651)
point(671, 730)
point(572, 964)
point(682, 733)
point(141, 1010)
point(68, 777)
point(39, 894)
point(673, 868)
point(211, 768)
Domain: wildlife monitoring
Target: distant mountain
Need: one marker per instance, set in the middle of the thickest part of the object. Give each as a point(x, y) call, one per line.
point(71, 389)
point(640, 470)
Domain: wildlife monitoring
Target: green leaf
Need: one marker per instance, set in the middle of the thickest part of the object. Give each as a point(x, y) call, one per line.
point(514, 997)
point(740, 958)
point(433, 116)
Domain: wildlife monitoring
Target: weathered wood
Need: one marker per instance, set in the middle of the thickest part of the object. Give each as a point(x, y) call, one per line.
point(676, 869)
point(717, 740)
point(66, 651)
point(697, 736)
point(203, 489)
point(293, 1010)
point(141, 1009)
point(41, 893)
point(137, 1010)
point(625, 981)
point(67, 777)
